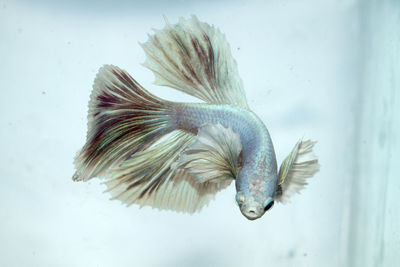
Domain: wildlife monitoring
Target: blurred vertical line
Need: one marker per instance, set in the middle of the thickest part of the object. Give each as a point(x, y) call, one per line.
point(354, 45)
point(374, 218)
point(353, 146)
point(353, 195)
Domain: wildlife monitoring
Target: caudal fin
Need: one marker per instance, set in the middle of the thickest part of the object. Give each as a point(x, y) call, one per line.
point(123, 119)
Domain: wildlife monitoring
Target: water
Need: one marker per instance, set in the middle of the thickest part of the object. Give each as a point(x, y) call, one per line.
point(327, 70)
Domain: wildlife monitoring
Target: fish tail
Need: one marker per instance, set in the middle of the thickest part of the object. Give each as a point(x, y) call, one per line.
point(123, 119)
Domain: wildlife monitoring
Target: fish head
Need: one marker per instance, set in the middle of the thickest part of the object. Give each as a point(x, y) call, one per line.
point(256, 197)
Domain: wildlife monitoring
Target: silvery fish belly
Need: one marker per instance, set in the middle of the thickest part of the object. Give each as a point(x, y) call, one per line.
point(177, 156)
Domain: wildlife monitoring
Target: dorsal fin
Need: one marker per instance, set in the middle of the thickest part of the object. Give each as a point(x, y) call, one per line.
point(195, 58)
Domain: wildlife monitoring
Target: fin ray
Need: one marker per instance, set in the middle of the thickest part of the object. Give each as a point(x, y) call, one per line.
point(147, 178)
point(300, 165)
point(123, 118)
point(195, 58)
point(213, 157)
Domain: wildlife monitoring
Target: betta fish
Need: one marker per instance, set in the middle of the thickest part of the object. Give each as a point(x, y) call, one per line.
point(177, 156)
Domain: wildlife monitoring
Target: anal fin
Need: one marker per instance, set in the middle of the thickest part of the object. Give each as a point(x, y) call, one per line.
point(147, 179)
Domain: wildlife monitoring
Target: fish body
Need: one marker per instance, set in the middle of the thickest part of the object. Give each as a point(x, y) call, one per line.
point(256, 181)
point(177, 156)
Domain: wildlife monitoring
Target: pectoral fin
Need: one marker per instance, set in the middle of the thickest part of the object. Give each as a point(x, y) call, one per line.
point(295, 169)
point(213, 156)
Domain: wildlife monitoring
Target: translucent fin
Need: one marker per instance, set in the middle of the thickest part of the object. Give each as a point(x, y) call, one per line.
point(295, 169)
point(123, 119)
point(195, 58)
point(147, 179)
point(213, 157)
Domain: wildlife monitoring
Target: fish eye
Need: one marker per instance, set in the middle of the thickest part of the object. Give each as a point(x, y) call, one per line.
point(269, 205)
point(240, 203)
point(240, 200)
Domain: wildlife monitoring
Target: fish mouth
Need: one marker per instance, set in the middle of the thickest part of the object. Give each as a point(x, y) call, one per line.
point(251, 213)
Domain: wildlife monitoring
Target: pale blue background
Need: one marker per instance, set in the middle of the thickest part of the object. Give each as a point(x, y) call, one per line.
point(326, 70)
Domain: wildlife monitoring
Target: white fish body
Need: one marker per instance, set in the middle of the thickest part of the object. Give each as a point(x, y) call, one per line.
point(205, 146)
